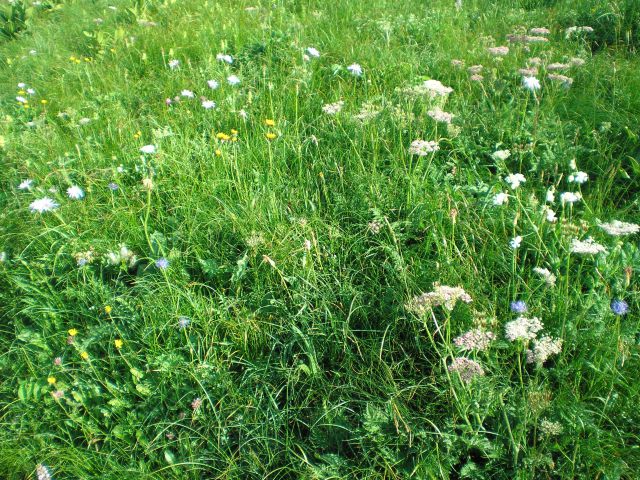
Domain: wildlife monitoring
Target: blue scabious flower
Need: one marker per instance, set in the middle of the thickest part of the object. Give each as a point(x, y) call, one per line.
point(113, 186)
point(619, 307)
point(518, 306)
point(162, 263)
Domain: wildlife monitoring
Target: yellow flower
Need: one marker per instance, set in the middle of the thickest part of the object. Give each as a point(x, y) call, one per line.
point(269, 122)
point(218, 152)
point(222, 136)
point(72, 58)
point(84, 356)
point(234, 131)
point(44, 102)
point(138, 134)
point(271, 136)
point(118, 343)
point(107, 309)
point(51, 380)
point(73, 332)
point(21, 92)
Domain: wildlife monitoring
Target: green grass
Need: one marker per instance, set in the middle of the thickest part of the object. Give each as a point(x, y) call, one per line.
point(295, 258)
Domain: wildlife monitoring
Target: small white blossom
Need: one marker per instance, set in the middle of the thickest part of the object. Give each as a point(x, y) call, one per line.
point(208, 104)
point(355, 69)
point(551, 195)
point(500, 198)
point(42, 205)
point(548, 277)
point(515, 242)
point(501, 154)
point(523, 328)
point(570, 197)
point(233, 80)
point(213, 84)
point(221, 57)
point(578, 177)
point(333, 108)
point(25, 184)
point(550, 214)
point(617, 228)
point(515, 180)
point(587, 247)
point(75, 192)
point(313, 52)
point(148, 149)
point(187, 94)
point(173, 64)
point(422, 147)
point(531, 83)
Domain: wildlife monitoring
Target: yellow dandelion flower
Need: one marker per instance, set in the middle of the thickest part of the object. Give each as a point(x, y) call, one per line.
point(73, 332)
point(51, 380)
point(223, 136)
point(107, 309)
point(118, 343)
point(44, 102)
point(270, 122)
point(218, 152)
point(271, 135)
point(84, 356)
point(234, 131)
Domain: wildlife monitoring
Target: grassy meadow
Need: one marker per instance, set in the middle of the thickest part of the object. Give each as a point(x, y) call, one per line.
point(303, 239)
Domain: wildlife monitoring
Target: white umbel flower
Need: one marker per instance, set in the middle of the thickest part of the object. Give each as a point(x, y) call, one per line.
point(500, 198)
point(578, 177)
point(213, 84)
point(221, 57)
point(617, 228)
point(208, 104)
point(233, 80)
point(570, 197)
point(422, 147)
point(522, 328)
point(587, 247)
point(515, 180)
point(148, 149)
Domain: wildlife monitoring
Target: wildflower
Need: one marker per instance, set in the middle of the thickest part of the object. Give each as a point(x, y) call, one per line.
point(332, 108)
point(84, 356)
point(25, 184)
point(58, 394)
point(42, 205)
point(422, 147)
point(539, 31)
point(475, 69)
point(183, 322)
point(118, 343)
point(162, 263)
point(75, 192)
point(515, 242)
point(113, 186)
point(617, 228)
point(531, 83)
point(576, 62)
point(233, 80)
point(550, 215)
point(528, 72)
point(355, 69)
point(522, 328)
point(173, 64)
point(548, 277)
point(543, 349)
point(213, 84)
point(440, 116)
point(270, 135)
point(441, 295)
point(313, 52)
point(208, 104)
point(22, 100)
point(147, 183)
point(224, 58)
point(498, 51)
point(557, 66)
point(457, 63)
point(500, 198)
point(73, 332)
point(435, 88)
point(148, 149)
point(51, 380)
point(43, 472)
point(550, 195)
point(578, 177)
point(619, 307)
point(84, 121)
point(518, 306)
point(587, 247)
point(269, 122)
point(476, 78)
point(573, 31)
point(466, 368)
point(565, 81)
point(549, 428)
point(57, 361)
point(501, 154)
point(107, 309)
point(374, 226)
point(515, 180)
point(197, 402)
point(476, 339)
point(570, 197)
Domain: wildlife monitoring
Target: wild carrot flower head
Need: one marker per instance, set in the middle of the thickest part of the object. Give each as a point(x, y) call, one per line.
point(543, 349)
point(467, 369)
point(476, 339)
point(441, 295)
point(523, 328)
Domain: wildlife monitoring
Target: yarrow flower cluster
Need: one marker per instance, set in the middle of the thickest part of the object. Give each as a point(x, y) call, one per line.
point(587, 247)
point(333, 108)
point(441, 295)
point(43, 472)
point(423, 147)
point(476, 339)
point(543, 349)
point(515, 180)
point(467, 369)
point(440, 116)
point(617, 228)
point(549, 278)
point(523, 328)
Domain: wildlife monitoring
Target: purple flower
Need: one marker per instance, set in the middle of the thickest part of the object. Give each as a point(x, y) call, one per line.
point(162, 263)
point(519, 306)
point(113, 186)
point(619, 307)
